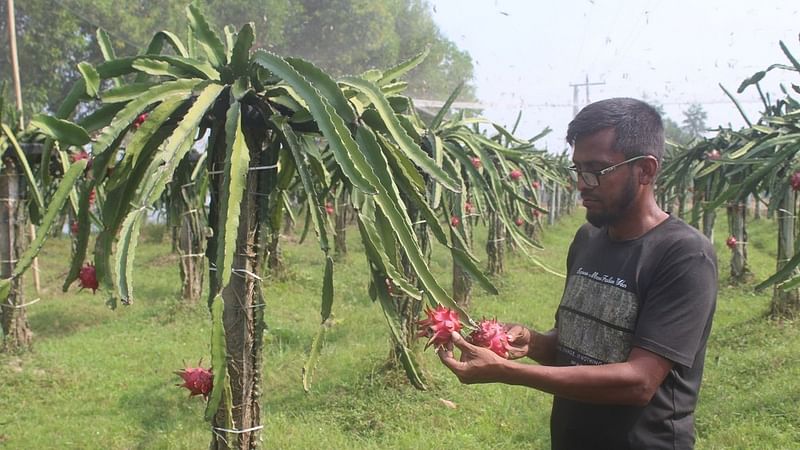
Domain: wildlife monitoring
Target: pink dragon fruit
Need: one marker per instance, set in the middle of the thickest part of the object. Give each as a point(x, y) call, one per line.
point(469, 208)
point(438, 326)
point(140, 120)
point(794, 180)
point(492, 335)
point(476, 162)
point(87, 278)
point(198, 380)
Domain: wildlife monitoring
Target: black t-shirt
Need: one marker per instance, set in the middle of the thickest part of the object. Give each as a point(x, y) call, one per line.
point(657, 292)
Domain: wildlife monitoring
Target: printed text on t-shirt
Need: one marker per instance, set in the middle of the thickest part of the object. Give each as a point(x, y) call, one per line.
point(614, 281)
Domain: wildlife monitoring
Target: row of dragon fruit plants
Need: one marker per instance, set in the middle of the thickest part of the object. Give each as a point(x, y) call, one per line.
point(758, 162)
point(234, 142)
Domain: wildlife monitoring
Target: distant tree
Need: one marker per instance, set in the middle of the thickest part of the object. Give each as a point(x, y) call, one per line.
point(50, 42)
point(672, 131)
point(694, 122)
point(347, 37)
point(340, 36)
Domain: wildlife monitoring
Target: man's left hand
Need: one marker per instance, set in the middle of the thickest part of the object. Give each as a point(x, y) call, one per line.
point(476, 365)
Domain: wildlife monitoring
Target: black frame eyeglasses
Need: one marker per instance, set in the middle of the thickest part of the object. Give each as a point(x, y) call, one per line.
point(592, 177)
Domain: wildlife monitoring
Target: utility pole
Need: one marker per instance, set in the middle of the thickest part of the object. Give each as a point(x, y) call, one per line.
point(575, 108)
point(12, 41)
point(575, 91)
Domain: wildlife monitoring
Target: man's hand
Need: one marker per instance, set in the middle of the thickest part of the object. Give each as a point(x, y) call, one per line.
point(520, 340)
point(476, 365)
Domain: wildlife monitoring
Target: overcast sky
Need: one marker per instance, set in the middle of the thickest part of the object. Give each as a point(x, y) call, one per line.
point(528, 52)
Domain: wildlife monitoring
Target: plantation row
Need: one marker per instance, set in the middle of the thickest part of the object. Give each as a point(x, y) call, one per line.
point(231, 142)
point(757, 163)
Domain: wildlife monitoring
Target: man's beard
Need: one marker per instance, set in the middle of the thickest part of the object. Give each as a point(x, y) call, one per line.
point(615, 211)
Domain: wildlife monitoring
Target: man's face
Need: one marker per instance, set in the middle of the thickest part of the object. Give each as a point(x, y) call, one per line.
point(608, 202)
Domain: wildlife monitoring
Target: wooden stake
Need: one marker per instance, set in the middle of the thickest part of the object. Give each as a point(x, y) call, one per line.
point(12, 40)
point(37, 284)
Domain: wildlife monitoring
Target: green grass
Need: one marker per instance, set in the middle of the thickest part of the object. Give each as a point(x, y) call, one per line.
point(99, 378)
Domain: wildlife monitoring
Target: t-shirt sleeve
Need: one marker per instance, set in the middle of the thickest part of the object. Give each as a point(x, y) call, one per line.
point(678, 305)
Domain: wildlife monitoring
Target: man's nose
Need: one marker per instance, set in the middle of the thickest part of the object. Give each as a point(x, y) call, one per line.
point(582, 185)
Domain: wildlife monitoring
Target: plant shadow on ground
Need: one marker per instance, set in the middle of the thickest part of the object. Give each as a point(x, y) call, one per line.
point(364, 407)
point(63, 322)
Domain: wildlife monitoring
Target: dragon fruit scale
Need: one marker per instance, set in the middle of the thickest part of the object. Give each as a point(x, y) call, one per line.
point(439, 325)
point(492, 335)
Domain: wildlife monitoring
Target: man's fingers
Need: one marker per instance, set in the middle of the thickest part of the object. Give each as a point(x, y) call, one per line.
point(517, 332)
point(459, 341)
point(446, 355)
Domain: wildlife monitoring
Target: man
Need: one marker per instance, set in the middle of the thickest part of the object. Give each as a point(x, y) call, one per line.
point(625, 358)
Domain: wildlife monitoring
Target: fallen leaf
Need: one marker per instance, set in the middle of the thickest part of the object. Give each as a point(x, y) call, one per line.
point(448, 403)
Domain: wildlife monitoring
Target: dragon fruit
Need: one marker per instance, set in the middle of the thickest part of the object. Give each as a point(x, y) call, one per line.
point(492, 335)
point(731, 242)
point(476, 162)
point(74, 227)
point(329, 208)
point(518, 221)
point(469, 208)
point(140, 120)
point(455, 221)
point(515, 174)
point(198, 380)
point(438, 326)
point(87, 278)
point(79, 155)
point(794, 180)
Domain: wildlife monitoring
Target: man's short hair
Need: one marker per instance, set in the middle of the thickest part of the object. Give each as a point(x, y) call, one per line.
point(638, 129)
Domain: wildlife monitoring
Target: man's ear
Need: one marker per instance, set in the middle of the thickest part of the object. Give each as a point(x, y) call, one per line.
point(648, 169)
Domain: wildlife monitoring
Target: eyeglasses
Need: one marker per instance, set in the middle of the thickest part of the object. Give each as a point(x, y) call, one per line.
point(592, 177)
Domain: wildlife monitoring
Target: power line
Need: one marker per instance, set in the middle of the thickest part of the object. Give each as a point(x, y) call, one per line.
point(429, 103)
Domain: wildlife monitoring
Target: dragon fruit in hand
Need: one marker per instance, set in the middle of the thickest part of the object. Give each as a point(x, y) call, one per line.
point(438, 326)
point(492, 335)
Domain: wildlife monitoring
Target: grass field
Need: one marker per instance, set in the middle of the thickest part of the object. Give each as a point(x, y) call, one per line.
point(104, 379)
